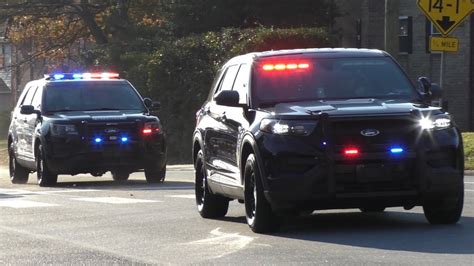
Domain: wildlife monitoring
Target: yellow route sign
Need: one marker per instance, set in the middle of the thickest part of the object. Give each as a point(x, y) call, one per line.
point(440, 44)
point(446, 15)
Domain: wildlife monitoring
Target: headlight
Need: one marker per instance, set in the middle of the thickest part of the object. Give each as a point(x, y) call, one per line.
point(63, 130)
point(288, 127)
point(435, 123)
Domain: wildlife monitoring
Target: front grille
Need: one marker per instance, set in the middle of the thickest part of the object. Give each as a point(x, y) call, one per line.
point(375, 170)
point(111, 134)
point(393, 131)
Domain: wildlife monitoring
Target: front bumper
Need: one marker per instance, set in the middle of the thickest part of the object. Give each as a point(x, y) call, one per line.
point(74, 155)
point(298, 175)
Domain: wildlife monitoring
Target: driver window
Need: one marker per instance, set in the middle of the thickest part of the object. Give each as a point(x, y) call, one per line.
point(241, 83)
point(229, 78)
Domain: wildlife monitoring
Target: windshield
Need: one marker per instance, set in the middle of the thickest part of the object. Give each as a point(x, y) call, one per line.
point(90, 96)
point(330, 78)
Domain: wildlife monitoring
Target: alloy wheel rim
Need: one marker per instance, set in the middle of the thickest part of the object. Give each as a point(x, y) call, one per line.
point(200, 186)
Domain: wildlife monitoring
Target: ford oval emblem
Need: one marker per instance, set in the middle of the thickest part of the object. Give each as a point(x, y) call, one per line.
point(370, 132)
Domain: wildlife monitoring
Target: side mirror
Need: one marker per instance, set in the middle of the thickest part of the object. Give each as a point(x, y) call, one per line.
point(151, 105)
point(425, 84)
point(28, 110)
point(228, 98)
point(431, 91)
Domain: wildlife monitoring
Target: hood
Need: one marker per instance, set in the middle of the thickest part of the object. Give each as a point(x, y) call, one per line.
point(119, 115)
point(349, 107)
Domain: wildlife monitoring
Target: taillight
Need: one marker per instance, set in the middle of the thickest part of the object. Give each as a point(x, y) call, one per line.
point(151, 128)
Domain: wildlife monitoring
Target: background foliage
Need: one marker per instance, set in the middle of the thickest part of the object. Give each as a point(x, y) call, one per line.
point(169, 49)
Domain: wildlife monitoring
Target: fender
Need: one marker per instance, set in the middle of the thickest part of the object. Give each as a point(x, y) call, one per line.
point(249, 139)
point(198, 136)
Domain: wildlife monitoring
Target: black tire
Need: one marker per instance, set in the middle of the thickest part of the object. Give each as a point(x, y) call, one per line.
point(46, 178)
point(155, 176)
point(374, 209)
point(445, 210)
point(18, 173)
point(208, 204)
point(120, 175)
point(259, 213)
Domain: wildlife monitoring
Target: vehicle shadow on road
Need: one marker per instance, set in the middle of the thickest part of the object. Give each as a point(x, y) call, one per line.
point(127, 185)
point(400, 231)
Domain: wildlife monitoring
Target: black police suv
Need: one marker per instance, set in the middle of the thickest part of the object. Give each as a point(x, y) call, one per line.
point(295, 131)
point(84, 123)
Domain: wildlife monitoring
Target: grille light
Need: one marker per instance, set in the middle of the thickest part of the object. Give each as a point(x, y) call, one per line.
point(396, 150)
point(98, 140)
point(351, 152)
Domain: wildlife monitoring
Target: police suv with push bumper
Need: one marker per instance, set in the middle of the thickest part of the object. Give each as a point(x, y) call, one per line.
point(301, 130)
point(84, 123)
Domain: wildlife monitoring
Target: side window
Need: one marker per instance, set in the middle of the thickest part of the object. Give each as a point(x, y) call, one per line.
point(29, 96)
point(37, 98)
point(241, 83)
point(229, 78)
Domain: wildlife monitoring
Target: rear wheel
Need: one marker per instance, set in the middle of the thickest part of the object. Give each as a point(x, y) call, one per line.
point(155, 175)
point(208, 204)
point(120, 175)
point(46, 178)
point(259, 214)
point(445, 210)
point(18, 173)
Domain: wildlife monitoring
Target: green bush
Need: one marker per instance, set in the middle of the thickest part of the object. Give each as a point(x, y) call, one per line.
point(468, 139)
point(179, 73)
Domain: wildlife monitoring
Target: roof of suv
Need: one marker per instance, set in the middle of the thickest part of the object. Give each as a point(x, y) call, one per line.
point(315, 52)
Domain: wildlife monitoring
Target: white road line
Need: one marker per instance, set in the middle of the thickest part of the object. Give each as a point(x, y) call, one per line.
point(46, 192)
point(469, 190)
point(189, 196)
point(465, 182)
point(115, 200)
point(21, 203)
point(220, 244)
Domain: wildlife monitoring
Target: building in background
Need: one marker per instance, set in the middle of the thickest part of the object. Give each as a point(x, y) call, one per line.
point(401, 28)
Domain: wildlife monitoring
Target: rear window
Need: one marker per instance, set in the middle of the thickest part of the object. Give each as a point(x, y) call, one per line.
point(90, 96)
point(282, 80)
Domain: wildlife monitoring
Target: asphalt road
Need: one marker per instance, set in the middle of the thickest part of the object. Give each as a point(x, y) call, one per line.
point(88, 220)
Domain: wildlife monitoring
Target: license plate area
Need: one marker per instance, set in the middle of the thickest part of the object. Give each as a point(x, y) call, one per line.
point(369, 173)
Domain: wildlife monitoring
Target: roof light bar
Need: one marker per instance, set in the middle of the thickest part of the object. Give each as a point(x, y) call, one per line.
point(283, 66)
point(83, 76)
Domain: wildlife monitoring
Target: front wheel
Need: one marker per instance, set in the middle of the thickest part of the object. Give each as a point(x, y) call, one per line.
point(18, 173)
point(259, 213)
point(120, 175)
point(46, 178)
point(208, 204)
point(154, 175)
point(445, 210)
